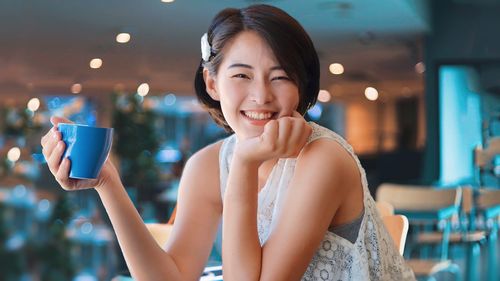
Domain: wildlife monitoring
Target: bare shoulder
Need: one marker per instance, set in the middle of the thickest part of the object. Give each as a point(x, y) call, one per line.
point(332, 177)
point(202, 173)
point(325, 154)
point(207, 155)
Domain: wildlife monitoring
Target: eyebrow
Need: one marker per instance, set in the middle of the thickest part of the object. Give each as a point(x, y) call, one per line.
point(250, 67)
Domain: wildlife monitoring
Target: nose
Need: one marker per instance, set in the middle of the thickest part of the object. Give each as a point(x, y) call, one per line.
point(261, 93)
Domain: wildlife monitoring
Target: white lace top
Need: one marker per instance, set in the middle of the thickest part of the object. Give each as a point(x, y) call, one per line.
point(372, 257)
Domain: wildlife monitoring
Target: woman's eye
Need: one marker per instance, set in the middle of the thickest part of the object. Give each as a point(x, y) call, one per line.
point(241, 75)
point(281, 78)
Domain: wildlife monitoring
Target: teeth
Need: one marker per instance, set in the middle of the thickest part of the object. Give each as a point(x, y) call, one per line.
point(258, 115)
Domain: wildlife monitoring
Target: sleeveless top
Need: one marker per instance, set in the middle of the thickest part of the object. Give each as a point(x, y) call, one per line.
point(373, 256)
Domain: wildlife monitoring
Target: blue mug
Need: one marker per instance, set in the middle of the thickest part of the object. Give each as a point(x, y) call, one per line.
point(87, 148)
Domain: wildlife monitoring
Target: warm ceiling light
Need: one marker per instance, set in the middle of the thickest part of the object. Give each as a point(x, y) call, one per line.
point(420, 67)
point(76, 88)
point(33, 104)
point(143, 89)
point(371, 93)
point(336, 68)
point(324, 96)
point(167, 1)
point(14, 154)
point(123, 37)
point(96, 63)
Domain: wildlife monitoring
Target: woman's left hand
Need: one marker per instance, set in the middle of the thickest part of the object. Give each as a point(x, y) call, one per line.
point(282, 138)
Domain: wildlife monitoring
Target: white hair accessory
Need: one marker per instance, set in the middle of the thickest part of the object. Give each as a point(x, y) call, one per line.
point(205, 48)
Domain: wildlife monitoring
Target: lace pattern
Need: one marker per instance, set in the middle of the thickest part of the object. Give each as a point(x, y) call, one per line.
point(373, 256)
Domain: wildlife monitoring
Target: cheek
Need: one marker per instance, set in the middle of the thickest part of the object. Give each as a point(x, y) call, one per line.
point(229, 102)
point(291, 98)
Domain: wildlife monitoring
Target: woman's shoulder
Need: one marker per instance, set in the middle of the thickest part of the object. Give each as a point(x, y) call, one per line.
point(325, 143)
point(201, 173)
point(328, 155)
point(207, 155)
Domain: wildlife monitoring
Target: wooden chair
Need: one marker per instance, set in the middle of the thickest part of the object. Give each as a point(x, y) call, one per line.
point(161, 231)
point(384, 208)
point(425, 206)
point(397, 226)
point(483, 158)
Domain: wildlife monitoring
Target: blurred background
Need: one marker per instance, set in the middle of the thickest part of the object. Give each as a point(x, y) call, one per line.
point(413, 85)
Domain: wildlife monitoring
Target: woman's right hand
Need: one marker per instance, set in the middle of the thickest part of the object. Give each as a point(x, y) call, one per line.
point(53, 149)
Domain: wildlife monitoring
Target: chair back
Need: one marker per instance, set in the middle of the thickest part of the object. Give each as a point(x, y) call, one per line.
point(488, 198)
point(418, 198)
point(484, 156)
point(424, 204)
point(397, 226)
point(467, 199)
point(160, 232)
point(488, 203)
point(384, 208)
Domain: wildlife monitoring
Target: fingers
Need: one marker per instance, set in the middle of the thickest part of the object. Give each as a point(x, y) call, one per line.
point(54, 159)
point(49, 142)
point(53, 148)
point(285, 130)
point(62, 175)
point(271, 132)
point(55, 120)
point(294, 132)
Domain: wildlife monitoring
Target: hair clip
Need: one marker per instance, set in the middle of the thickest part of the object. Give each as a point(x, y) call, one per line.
point(205, 48)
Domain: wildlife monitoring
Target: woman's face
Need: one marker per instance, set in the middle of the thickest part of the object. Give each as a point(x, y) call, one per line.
point(251, 86)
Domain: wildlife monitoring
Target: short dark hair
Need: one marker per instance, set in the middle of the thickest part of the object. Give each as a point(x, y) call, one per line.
point(288, 40)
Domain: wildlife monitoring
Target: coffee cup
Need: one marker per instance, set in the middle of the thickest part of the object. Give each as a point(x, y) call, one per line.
point(87, 147)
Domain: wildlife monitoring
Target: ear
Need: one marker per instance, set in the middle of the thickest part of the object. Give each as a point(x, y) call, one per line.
point(210, 85)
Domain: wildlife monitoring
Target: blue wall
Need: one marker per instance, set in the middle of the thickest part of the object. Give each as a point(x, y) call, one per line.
point(460, 123)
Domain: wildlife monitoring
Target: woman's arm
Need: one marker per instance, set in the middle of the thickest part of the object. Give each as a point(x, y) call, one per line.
point(193, 233)
point(199, 211)
point(191, 239)
point(137, 245)
point(325, 177)
point(326, 181)
point(241, 246)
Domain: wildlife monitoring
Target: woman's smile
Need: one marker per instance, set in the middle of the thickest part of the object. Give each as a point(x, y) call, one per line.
point(258, 117)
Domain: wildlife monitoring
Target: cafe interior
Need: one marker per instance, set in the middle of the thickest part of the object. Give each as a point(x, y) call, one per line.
point(412, 85)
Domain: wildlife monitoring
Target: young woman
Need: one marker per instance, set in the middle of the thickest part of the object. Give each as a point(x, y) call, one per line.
point(292, 195)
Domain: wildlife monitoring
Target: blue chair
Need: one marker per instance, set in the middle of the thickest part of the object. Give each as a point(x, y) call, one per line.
point(488, 206)
point(465, 235)
point(426, 206)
